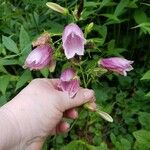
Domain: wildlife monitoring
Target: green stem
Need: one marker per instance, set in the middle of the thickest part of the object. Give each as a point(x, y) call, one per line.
point(84, 80)
point(74, 122)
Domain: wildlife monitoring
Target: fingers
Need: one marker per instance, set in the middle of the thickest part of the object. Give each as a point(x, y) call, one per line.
point(62, 127)
point(83, 96)
point(71, 113)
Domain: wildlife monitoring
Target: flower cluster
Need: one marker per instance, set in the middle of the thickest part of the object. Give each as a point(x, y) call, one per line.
point(73, 44)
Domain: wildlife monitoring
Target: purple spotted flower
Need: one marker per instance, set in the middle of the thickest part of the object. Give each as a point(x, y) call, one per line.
point(116, 64)
point(69, 82)
point(73, 41)
point(39, 58)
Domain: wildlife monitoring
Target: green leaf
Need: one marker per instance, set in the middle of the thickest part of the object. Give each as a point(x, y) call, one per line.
point(111, 17)
point(2, 69)
point(4, 62)
point(10, 44)
point(146, 75)
point(24, 38)
point(4, 81)
point(25, 77)
point(25, 53)
point(91, 4)
point(104, 3)
point(113, 138)
point(55, 28)
point(125, 144)
point(45, 72)
point(121, 7)
point(140, 16)
point(142, 139)
point(102, 30)
point(148, 94)
point(81, 145)
point(111, 45)
point(144, 119)
point(3, 100)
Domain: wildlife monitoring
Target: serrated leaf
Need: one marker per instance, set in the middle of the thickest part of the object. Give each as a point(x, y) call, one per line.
point(10, 44)
point(144, 119)
point(4, 81)
point(146, 76)
point(24, 38)
point(142, 137)
point(25, 77)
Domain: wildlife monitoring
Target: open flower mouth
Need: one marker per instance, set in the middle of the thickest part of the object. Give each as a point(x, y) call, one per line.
point(73, 41)
point(74, 45)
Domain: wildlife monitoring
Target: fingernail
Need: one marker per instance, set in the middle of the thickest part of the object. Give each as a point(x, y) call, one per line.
point(75, 114)
point(66, 127)
point(88, 94)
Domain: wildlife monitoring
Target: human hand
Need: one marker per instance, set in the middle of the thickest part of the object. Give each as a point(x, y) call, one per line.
point(37, 112)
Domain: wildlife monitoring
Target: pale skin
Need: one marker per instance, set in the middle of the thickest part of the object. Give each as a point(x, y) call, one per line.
point(37, 112)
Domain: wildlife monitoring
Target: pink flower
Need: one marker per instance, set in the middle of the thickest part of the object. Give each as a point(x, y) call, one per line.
point(39, 58)
point(73, 41)
point(67, 75)
point(116, 64)
point(68, 82)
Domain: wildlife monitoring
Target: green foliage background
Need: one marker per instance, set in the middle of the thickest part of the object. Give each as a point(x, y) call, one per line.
point(121, 28)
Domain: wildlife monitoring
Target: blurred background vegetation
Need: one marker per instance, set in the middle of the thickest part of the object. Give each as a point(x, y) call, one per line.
point(121, 28)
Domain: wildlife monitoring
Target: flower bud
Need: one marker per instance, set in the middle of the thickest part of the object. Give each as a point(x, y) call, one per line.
point(57, 8)
point(116, 64)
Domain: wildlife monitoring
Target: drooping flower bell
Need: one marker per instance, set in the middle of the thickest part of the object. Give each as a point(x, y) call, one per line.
point(73, 41)
point(39, 58)
point(69, 82)
point(116, 64)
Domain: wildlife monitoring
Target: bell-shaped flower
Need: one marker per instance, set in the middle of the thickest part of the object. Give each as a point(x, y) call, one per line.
point(69, 82)
point(73, 41)
point(39, 58)
point(116, 64)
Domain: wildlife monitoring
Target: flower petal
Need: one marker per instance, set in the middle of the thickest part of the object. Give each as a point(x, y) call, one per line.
point(39, 58)
point(72, 28)
point(73, 87)
point(67, 74)
point(73, 41)
point(116, 64)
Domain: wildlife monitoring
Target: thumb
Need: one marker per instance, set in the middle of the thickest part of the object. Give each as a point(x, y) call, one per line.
point(83, 96)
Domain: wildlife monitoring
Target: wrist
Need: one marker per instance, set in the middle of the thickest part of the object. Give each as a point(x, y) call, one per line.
point(9, 130)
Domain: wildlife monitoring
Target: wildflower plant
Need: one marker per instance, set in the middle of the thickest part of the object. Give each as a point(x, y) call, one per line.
point(73, 44)
point(112, 34)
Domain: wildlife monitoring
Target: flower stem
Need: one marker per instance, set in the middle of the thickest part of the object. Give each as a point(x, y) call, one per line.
point(84, 80)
